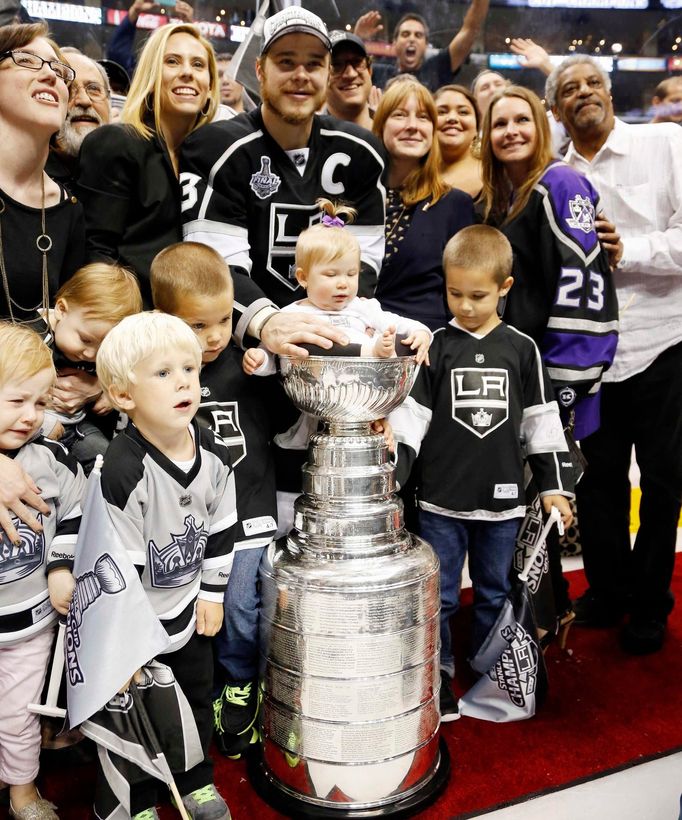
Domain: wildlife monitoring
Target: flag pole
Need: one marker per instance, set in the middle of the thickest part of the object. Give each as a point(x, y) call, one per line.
point(151, 735)
point(554, 516)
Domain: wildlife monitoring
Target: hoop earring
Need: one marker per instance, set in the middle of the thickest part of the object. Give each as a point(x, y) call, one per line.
point(146, 103)
point(207, 106)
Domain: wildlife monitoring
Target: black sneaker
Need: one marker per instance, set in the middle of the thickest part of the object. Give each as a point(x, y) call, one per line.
point(449, 710)
point(235, 715)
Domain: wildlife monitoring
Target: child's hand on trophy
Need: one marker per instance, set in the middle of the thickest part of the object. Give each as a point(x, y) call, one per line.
point(420, 342)
point(209, 618)
point(383, 426)
point(60, 585)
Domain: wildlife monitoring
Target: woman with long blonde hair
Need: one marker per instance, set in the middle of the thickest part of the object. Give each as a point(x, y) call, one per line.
point(422, 211)
point(563, 294)
point(129, 171)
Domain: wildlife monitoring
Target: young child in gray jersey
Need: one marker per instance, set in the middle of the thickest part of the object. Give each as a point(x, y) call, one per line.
point(169, 488)
point(193, 281)
point(35, 570)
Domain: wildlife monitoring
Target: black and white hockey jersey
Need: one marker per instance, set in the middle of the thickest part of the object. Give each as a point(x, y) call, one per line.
point(243, 196)
point(564, 296)
point(240, 409)
point(25, 607)
point(482, 406)
point(178, 526)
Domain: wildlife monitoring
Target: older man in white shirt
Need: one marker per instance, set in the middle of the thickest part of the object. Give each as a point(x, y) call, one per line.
point(637, 170)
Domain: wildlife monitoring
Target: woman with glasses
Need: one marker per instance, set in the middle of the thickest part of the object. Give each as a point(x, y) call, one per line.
point(41, 226)
point(422, 212)
point(128, 178)
point(458, 125)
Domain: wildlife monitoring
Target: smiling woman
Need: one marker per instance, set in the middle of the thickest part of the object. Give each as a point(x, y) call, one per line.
point(41, 227)
point(129, 171)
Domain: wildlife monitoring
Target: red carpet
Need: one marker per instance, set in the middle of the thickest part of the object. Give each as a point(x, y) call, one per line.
point(605, 710)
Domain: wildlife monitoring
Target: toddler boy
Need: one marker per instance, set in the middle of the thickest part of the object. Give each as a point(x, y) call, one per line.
point(169, 487)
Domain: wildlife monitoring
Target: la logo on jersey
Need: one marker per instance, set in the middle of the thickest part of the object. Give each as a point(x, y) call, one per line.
point(480, 398)
point(18, 561)
point(582, 214)
point(265, 183)
point(225, 423)
point(287, 221)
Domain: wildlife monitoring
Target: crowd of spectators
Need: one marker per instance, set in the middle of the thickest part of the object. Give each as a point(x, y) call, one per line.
point(590, 206)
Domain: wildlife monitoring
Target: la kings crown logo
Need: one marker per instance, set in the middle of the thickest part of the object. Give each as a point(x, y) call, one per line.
point(516, 671)
point(582, 214)
point(18, 561)
point(480, 398)
point(177, 563)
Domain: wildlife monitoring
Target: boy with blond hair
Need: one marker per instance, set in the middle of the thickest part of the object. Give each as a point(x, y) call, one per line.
point(35, 569)
point(87, 306)
point(169, 488)
point(193, 281)
point(481, 408)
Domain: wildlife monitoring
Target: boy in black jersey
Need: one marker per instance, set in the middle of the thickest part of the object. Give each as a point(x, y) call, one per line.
point(169, 488)
point(192, 281)
point(483, 406)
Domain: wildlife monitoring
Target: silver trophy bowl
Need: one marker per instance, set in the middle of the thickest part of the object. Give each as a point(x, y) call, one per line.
point(348, 390)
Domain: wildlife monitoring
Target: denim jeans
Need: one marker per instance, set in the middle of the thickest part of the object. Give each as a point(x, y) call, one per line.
point(236, 645)
point(490, 545)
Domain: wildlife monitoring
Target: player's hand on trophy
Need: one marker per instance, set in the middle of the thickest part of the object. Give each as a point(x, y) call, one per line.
point(209, 618)
point(18, 492)
point(283, 332)
point(383, 426)
point(562, 504)
point(420, 342)
point(60, 585)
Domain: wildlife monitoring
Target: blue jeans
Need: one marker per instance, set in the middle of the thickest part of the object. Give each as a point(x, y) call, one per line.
point(490, 545)
point(237, 642)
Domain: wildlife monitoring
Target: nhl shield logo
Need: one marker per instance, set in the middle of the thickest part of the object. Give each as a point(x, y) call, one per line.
point(582, 214)
point(264, 183)
point(480, 398)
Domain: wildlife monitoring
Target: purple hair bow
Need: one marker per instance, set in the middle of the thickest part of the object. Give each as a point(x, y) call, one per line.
point(333, 221)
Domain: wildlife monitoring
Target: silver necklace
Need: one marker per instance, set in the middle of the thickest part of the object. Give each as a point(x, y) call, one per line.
point(43, 243)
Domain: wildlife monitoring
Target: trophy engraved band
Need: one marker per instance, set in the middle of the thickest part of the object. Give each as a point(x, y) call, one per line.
point(350, 616)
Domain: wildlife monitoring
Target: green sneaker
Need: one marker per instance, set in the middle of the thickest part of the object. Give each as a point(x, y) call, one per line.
point(147, 814)
point(235, 715)
point(206, 804)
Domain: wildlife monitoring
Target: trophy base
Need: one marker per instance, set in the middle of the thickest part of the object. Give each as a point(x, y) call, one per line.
point(269, 790)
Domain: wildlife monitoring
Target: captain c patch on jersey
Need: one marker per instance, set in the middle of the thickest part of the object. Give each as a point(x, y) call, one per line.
point(480, 398)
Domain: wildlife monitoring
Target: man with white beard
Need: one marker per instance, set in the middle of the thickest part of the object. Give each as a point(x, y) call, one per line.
point(89, 107)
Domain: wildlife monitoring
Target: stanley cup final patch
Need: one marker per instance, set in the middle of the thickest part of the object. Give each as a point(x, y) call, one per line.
point(480, 398)
point(264, 183)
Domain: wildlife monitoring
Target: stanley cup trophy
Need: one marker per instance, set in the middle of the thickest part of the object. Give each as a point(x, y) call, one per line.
point(350, 616)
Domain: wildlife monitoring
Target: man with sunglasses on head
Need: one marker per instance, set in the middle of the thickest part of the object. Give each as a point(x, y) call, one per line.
point(89, 107)
point(350, 80)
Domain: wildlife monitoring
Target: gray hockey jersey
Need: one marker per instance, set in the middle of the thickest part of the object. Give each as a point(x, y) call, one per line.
point(178, 526)
point(25, 608)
